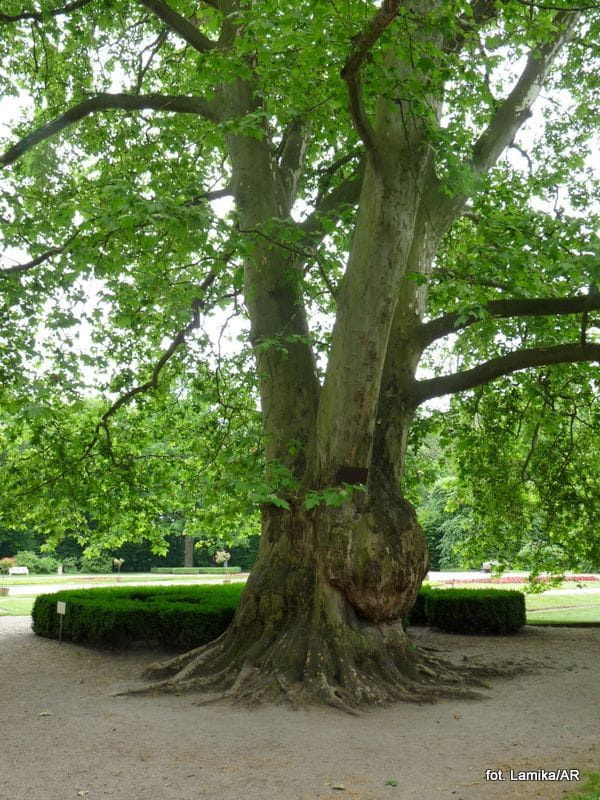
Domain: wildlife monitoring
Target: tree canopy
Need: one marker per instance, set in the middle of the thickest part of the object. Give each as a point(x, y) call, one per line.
point(367, 185)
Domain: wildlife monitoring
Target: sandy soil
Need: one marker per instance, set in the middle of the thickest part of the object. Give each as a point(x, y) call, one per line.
point(64, 734)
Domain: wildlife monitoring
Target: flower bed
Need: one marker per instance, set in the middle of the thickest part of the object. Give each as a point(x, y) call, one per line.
point(520, 579)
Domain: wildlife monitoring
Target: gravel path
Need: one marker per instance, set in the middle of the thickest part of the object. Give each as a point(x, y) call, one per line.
point(65, 735)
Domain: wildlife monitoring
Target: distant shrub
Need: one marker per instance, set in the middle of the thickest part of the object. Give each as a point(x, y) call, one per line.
point(97, 564)
point(6, 564)
point(71, 564)
point(40, 565)
point(490, 611)
point(181, 617)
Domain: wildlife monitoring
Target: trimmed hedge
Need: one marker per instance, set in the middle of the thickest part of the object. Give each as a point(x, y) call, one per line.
point(181, 617)
point(184, 617)
point(491, 611)
point(418, 615)
point(195, 570)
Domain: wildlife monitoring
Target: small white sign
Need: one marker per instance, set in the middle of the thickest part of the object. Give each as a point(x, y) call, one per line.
point(61, 607)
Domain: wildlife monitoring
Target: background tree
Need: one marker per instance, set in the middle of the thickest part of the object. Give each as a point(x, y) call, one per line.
point(145, 112)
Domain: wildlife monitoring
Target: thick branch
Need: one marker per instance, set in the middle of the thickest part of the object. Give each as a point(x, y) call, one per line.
point(54, 251)
point(179, 25)
point(108, 102)
point(43, 257)
point(363, 43)
point(516, 108)
point(291, 156)
point(503, 365)
point(506, 120)
point(39, 16)
point(537, 307)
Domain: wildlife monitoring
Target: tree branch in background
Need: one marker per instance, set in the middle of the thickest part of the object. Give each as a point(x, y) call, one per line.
point(211, 194)
point(345, 193)
point(35, 262)
point(38, 16)
point(180, 25)
point(537, 307)
point(363, 42)
point(108, 102)
point(198, 305)
point(503, 365)
point(291, 156)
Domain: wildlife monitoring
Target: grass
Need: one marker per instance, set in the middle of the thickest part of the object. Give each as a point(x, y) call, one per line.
point(128, 577)
point(562, 609)
point(590, 789)
point(16, 606)
point(565, 616)
point(539, 601)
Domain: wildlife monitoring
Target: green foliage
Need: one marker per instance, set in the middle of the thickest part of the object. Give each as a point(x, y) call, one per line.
point(71, 564)
point(181, 617)
point(96, 564)
point(446, 523)
point(37, 565)
point(11, 541)
point(246, 553)
point(117, 202)
point(590, 790)
point(526, 461)
point(487, 611)
point(137, 486)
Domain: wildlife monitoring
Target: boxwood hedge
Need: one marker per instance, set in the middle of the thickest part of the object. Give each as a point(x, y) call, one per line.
point(491, 611)
point(181, 617)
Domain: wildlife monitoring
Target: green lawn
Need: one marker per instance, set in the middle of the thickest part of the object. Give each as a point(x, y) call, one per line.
point(590, 789)
point(564, 616)
point(16, 606)
point(128, 577)
point(581, 607)
point(521, 587)
point(545, 600)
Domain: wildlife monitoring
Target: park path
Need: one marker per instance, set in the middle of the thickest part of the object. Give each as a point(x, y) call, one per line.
point(65, 733)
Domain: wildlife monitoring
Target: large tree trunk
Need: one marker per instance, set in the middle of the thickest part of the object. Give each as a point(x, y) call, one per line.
point(321, 617)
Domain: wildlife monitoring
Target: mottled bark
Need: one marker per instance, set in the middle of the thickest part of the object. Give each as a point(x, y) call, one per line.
point(279, 329)
point(321, 618)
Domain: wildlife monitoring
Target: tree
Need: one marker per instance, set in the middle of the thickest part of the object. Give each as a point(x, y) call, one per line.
point(147, 112)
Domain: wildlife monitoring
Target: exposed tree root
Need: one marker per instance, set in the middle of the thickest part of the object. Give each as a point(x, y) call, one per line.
point(351, 668)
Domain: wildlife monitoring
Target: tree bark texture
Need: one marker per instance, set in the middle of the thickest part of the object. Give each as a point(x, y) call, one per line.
point(320, 619)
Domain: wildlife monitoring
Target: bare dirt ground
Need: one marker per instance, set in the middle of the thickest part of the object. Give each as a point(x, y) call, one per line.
point(64, 735)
